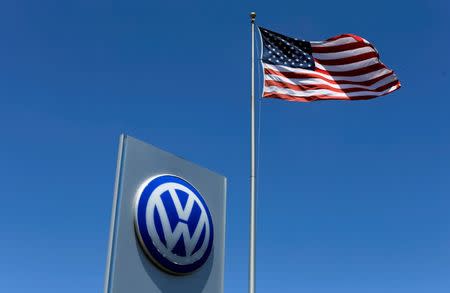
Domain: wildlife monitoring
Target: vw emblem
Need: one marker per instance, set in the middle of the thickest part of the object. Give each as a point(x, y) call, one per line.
point(173, 224)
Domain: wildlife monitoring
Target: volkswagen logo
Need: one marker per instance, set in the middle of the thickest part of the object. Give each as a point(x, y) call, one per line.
point(173, 224)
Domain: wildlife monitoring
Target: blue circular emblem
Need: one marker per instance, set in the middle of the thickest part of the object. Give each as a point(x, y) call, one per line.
point(173, 224)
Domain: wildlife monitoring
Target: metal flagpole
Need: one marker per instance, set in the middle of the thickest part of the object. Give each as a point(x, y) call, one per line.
point(251, 285)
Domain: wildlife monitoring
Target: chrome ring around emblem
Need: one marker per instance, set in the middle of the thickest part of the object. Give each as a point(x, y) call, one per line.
point(173, 224)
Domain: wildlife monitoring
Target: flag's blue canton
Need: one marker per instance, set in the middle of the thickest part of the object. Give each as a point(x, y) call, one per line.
point(283, 50)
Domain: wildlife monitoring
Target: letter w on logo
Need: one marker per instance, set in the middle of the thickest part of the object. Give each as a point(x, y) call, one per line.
point(181, 229)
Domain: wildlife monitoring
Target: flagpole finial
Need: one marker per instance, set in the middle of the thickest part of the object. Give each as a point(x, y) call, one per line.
point(253, 16)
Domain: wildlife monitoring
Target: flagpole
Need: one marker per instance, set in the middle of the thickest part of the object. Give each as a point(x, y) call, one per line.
point(251, 285)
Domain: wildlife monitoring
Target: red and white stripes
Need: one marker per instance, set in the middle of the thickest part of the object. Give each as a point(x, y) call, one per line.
point(347, 68)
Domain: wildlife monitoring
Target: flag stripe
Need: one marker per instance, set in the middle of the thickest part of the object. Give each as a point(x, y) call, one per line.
point(348, 37)
point(328, 93)
point(341, 83)
point(336, 42)
point(338, 48)
point(306, 87)
point(320, 82)
point(346, 60)
point(343, 54)
point(322, 97)
point(349, 66)
point(305, 73)
point(351, 72)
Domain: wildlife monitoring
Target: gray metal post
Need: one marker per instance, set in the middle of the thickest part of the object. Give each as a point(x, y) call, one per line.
point(251, 286)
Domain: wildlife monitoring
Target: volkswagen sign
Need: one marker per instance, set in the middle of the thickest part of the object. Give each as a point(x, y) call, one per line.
point(173, 224)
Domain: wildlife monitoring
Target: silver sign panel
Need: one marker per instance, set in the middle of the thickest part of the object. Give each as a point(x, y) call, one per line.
point(167, 225)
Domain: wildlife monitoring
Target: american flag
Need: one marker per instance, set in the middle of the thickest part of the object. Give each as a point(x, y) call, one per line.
point(345, 67)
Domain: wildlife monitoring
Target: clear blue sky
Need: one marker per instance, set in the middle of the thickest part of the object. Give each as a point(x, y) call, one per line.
point(353, 196)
